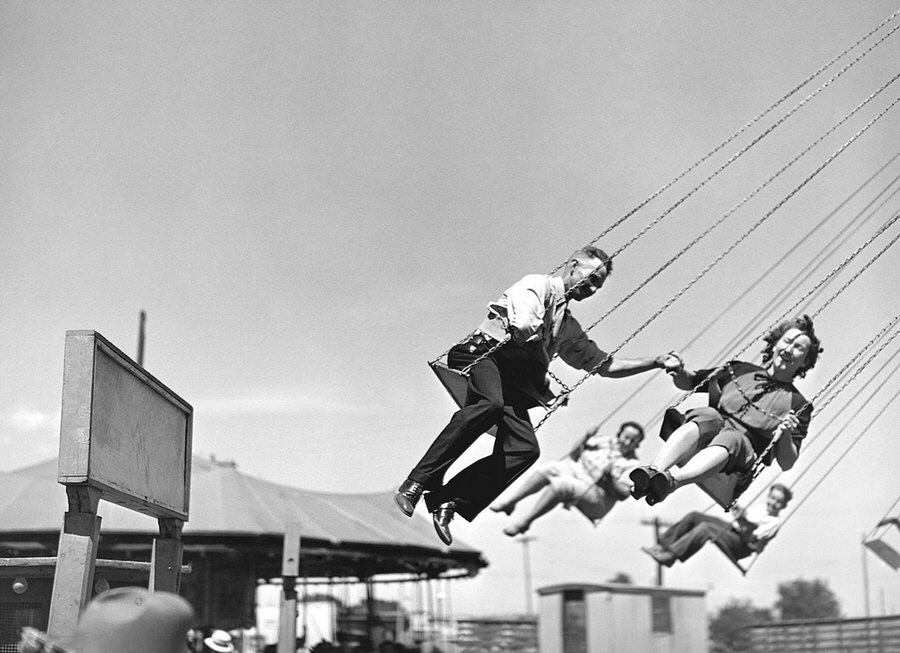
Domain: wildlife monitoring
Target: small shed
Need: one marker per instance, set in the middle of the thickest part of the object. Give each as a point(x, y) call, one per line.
point(619, 618)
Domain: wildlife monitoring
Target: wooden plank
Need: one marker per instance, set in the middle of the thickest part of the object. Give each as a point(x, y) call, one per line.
point(74, 576)
point(165, 558)
point(290, 569)
point(884, 551)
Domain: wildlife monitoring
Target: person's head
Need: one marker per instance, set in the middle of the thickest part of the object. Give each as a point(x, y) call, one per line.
point(630, 436)
point(779, 496)
point(792, 347)
point(136, 620)
point(585, 272)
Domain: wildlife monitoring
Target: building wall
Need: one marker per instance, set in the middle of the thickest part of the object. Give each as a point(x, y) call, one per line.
point(611, 618)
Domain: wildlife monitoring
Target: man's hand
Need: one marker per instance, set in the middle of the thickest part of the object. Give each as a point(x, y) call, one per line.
point(672, 363)
point(559, 401)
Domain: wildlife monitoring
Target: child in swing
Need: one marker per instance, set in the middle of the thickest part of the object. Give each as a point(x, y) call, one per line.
point(749, 406)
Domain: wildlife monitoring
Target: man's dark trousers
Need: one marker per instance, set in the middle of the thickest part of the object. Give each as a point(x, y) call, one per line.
point(695, 529)
point(492, 399)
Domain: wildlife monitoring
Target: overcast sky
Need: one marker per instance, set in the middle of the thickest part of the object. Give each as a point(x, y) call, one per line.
point(310, 200)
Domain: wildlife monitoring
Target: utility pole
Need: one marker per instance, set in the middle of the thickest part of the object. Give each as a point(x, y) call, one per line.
point(526, 561)
point(140, 347)
point(865, 570)
point(657, 524)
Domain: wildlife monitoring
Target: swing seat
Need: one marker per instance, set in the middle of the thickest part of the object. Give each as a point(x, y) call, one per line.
point(455, 383)
point(884, 551)
point(724, 489)
point(735, 561)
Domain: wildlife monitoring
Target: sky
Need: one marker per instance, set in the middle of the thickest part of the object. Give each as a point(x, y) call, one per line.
point(312, 200)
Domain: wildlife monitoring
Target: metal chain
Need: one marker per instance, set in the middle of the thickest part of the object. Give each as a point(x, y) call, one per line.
point(749, 402)
point(743, 201)
point(557, 405)
point(749, 124)
point(729, 140)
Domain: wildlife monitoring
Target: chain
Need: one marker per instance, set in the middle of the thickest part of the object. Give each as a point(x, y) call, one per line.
point(749, 124)
point(752, 228)
point(748, 400)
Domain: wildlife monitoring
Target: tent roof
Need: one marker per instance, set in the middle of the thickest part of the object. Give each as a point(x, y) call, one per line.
point(227, 504)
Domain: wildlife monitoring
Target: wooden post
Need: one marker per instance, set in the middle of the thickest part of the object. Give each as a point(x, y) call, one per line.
point(290, 568)
point(74, 578)
point(165, 559)
point(657, 525)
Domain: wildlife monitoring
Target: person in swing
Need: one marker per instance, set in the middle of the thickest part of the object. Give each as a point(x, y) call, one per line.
point(510, 354)
point(750, 406)
point(593, 477)
point(747, 532)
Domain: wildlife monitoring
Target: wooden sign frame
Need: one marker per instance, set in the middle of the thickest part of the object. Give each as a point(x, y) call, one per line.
point(122, 431)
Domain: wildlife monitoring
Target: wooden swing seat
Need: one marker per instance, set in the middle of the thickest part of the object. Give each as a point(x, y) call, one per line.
point(455, 383)
point(735, 561)
point(884, 551)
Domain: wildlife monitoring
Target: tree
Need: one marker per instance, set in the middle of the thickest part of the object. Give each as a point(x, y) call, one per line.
point(621, 577)
point(803, 599)
point(727, 628)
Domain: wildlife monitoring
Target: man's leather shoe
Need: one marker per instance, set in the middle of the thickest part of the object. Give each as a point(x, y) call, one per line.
point(442, 518)
point(408, 495)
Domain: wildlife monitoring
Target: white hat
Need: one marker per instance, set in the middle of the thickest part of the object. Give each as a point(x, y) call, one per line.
point(220, 641)
point(136, 620)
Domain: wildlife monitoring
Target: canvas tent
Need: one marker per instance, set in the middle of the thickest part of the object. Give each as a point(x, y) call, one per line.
point(235, 534)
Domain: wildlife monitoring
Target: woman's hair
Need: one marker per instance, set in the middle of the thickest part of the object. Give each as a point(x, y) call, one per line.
point(634, 425)
point(640, 429)
point(788, 495)
point(805, 324)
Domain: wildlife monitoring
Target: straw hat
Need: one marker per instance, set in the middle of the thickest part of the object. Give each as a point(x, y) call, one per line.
point(136, 620)
point(219, 641)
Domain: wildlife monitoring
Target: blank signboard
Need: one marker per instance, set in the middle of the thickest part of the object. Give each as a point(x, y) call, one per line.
point(122, 431)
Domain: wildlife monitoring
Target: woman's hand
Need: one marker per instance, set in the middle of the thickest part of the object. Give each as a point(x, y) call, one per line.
point(672, 363)
point(788, 424)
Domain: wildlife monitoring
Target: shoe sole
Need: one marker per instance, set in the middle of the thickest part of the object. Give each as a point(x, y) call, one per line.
point(437, 529)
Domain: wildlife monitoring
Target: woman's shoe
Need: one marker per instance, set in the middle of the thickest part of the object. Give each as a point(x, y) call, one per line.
point(499, 506)
point(640, 480)
point(514, 530)
point(661, 485)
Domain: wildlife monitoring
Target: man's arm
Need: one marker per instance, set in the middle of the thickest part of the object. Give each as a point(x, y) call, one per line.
point(579, 351)
point(617, 368)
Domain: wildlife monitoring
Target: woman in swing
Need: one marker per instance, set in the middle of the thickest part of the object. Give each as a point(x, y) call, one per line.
point(749, 406)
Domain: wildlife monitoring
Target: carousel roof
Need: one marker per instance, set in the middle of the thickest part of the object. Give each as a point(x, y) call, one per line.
point(228, 507)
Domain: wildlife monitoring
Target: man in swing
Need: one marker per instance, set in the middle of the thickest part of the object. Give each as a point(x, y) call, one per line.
point(748, 532)
point(753, 411)
point(509, 355)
